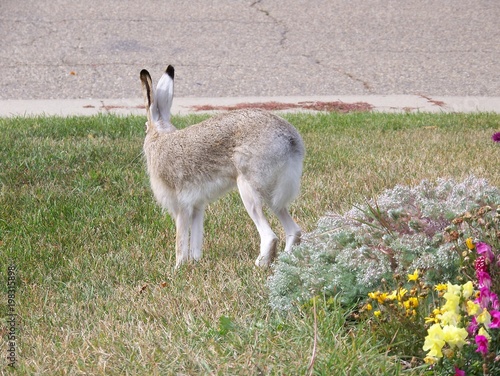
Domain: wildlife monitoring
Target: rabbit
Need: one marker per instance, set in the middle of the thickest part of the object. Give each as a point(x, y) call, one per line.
point(254, 151)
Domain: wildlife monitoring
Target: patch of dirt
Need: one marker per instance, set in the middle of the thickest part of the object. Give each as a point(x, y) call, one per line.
point(116, 107)
point(336, 106)
point(433, 101)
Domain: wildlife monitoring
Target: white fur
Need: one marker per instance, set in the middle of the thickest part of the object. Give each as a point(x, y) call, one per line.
point(255, 151)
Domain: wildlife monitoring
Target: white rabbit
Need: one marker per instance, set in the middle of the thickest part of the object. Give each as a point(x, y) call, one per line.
point(256, 151)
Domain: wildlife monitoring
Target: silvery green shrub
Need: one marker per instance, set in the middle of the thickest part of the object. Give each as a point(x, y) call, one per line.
point(360, 251)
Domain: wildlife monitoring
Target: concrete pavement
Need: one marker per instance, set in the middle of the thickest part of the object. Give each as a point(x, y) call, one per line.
point(388, 53)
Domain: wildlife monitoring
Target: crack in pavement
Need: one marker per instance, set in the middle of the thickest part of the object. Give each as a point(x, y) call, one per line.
point(257, 5)
point(279, 23)
point(366, 85)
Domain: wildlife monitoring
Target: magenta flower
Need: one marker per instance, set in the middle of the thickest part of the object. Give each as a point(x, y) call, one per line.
point(494, 301)
point(496, 137)
point(495, 319)
point(486, 297)
point(482, 344)
point(459, 372)
point(480, 264)
point(495, 304)
point(485, 250)
point(472, 328)
point(484, 279)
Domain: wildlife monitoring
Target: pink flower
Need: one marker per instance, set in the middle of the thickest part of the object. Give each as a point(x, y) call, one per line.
point(494, 301)
point(459, 372)
point(495, 319)
point(486, 297)
point(485, 250)
point(472, 328)
point(482, 344)
point(496, 137)
point(484, 279)
point(480, 264)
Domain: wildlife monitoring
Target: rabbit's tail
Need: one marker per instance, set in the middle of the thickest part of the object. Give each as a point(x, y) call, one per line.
point(287, 183)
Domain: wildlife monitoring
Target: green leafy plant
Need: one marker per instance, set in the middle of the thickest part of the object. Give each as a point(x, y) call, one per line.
point(402, 230)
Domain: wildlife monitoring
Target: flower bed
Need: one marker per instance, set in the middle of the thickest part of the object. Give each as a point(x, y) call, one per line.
point(423, 265)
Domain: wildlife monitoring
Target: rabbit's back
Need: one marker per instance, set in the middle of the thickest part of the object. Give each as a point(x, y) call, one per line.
point(222, 147)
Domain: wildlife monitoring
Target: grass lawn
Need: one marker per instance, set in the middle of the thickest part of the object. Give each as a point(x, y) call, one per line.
point(96, 288)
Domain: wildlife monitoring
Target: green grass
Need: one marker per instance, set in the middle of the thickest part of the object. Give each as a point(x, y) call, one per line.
point(96, 288)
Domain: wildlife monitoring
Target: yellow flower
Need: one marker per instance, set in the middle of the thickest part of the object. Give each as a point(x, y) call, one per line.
point(441, 287)
point(414, 302)
point(414, 276)
point(411, 303)
point(452, 302)
point(434, 341)
point(368, 307)
point(380, 297)
point(449, 318)
point(430, 360)
point(401, 293)
point(373, 295)
point(484, 318)
point(470, 243)
point(453, 289)
point(467, 290)
point(430, 319)
point(377, 313)
point(472, 308)
point(393, 295)
point(454, 336)
point(433, 316)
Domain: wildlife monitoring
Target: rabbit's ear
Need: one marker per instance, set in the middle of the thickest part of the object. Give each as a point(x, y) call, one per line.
point(164, 94)
point(147, 88)
point(149, 99)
